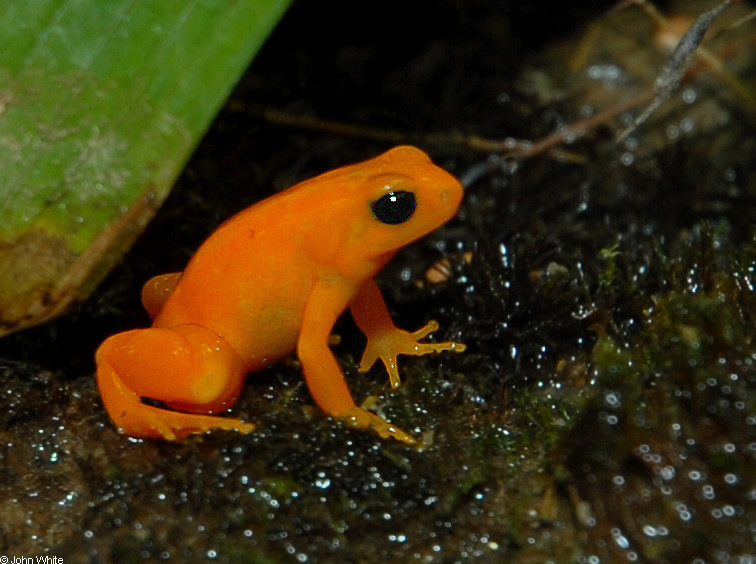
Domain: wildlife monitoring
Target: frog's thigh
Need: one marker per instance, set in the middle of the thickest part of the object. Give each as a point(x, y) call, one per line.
point(189, 368)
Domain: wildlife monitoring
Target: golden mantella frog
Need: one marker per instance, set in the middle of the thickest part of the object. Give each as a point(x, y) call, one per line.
point(271, 280)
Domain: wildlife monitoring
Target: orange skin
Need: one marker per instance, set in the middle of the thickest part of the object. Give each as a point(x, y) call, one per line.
point(273, 279)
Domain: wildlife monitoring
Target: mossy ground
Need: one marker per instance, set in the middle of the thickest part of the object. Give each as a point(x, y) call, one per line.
point(604, 409)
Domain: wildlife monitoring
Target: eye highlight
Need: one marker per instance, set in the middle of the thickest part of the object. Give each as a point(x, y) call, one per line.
point(394, 207)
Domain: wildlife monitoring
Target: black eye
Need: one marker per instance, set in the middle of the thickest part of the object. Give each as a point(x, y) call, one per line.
point(394, 207)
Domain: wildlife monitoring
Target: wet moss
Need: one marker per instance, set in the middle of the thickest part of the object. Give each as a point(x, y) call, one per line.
point(664, 446)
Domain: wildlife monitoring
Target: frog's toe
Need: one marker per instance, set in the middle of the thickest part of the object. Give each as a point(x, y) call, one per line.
point(363, 419)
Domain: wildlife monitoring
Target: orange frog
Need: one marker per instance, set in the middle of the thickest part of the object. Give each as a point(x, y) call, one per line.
point(272, 279)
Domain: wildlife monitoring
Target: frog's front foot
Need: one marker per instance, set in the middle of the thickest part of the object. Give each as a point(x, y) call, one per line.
point(389, 344)
point(362, 419)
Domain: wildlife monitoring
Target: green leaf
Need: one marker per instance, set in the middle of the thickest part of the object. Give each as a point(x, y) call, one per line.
point(101, 104)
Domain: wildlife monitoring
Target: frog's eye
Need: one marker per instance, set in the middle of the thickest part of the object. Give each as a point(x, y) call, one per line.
point(394, 207)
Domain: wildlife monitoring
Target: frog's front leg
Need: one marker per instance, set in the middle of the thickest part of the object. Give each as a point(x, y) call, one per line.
point(188, 368)
point(324, 378)
point(385, 340)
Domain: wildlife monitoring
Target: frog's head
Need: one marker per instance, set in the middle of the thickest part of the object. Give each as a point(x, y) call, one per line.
point(367, 211)
point(406, 196)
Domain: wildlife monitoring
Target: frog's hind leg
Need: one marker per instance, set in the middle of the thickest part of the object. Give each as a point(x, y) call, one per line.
point(188, 368)
point(137, 419)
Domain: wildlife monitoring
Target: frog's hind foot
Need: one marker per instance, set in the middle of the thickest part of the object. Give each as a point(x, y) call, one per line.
point(137, 419)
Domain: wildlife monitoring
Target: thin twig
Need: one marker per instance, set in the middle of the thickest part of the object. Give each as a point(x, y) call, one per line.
point(669, 79)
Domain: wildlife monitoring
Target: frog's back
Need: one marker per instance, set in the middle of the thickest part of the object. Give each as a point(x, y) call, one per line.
point(257, 270)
